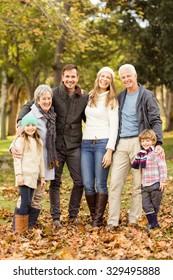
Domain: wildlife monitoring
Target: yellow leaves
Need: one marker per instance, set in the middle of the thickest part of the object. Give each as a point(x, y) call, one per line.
point(25, 46)
point(67, 254)
point(12, 51)
point(37, 32)
point(106, 11)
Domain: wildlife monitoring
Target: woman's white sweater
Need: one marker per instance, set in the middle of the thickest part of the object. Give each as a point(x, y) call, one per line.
point(101, 122)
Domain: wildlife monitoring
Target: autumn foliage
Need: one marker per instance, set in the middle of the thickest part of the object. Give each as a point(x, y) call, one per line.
point(82, 242)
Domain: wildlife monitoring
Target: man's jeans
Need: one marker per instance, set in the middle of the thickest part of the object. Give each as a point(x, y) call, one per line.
point(94, 176)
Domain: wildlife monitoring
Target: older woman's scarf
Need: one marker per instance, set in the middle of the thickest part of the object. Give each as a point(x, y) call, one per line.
point(141, 158)
point(50, 116)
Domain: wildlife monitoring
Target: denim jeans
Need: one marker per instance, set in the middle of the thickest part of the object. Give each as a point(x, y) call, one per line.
point(26, 194)
point(94, 176)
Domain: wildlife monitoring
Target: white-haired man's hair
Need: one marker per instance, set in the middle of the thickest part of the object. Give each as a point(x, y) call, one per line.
point(128, 67)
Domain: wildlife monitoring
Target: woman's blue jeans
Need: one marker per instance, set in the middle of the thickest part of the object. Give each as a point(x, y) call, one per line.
point(94, 176)
point(26, 198)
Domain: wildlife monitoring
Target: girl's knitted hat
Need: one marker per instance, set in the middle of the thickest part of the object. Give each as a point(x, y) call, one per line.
point(29, 119)
point(106, 69)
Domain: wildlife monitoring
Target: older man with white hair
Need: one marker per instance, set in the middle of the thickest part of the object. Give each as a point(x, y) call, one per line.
point(138, 110)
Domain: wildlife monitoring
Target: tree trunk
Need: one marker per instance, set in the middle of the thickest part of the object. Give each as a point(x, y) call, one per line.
point(60, 48)
point(169, 119)
point(3, 105)
point(17, 97)
point(58, 65)
point(167, 105)
point(13, 101)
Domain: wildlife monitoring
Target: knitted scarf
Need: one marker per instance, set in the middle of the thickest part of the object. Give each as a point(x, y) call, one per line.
point(141, 158)
point(50, 116)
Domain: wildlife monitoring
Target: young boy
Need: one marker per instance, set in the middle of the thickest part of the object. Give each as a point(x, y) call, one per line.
point(154, 176)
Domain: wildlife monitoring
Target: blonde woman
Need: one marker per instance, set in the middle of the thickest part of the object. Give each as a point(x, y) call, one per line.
point(98, 144)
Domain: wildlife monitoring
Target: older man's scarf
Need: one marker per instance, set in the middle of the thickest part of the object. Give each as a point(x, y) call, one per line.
point(50, 116)
point(141, 158)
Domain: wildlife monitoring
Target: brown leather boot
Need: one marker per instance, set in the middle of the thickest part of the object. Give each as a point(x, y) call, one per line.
point(91, 201)
point(101, 201)
point(21, 223)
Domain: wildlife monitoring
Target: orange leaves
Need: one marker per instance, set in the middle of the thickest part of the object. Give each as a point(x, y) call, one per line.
point(82, 242)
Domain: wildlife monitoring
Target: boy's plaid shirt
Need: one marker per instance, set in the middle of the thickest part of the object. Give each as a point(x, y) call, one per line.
point(155, 170)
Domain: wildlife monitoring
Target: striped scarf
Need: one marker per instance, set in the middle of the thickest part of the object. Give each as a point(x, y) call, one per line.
point(50, 116)
point(141, 158)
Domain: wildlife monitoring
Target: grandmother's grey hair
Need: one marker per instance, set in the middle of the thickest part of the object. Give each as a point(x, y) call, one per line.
point(128, 67)
point(40, 90)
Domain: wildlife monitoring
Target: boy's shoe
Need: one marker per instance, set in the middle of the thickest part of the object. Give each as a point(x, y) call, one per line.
point(149, 228)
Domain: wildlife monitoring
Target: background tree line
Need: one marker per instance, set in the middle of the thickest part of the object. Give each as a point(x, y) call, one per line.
point(38, 37)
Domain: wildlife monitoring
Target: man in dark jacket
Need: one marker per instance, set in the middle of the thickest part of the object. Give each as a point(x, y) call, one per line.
point(69, 104)
point(138, 110)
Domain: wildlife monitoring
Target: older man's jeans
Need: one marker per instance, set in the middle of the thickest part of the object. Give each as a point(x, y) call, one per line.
point(94, 176)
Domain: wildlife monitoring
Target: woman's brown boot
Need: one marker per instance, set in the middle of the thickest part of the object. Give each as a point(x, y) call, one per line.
point(91, 201)
point(101, 201)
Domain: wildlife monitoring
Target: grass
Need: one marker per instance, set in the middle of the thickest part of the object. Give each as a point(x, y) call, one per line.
point(168, 144)
point(4, 146)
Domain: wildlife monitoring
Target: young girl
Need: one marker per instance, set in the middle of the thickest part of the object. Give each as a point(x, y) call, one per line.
point(28, 168)
point(154, 176)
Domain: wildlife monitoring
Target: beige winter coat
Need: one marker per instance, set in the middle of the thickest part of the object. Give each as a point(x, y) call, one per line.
point(31, 165)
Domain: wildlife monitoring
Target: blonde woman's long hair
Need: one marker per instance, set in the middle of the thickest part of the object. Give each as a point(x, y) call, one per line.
point(111, 99)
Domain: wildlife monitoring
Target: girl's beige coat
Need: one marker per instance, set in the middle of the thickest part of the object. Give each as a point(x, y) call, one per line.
point(31, 165)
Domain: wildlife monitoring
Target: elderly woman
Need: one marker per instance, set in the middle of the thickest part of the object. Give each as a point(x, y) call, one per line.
point(41, 109)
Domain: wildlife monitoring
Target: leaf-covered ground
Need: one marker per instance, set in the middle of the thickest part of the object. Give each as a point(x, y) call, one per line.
point(82, 242)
